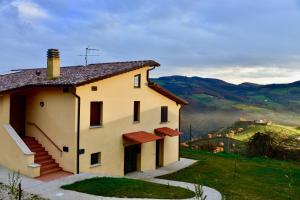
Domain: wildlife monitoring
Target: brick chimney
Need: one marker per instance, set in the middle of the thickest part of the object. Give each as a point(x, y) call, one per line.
point(53, 64)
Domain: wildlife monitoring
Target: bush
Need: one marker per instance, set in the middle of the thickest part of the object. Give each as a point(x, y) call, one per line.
point(273, 146)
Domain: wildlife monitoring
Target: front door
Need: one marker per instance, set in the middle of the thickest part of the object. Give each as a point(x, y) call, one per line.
point(130, 158)
point(159, 153)
point(18, 114)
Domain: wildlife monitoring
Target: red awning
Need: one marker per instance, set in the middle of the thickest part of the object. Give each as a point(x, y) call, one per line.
point(140, 137)
point(167, 131)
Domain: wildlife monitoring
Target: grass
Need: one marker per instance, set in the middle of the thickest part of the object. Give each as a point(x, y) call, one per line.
point(255, 178)
point(251, 129)
point(249, 108)
point(129, 188)
point(212, 101)
point(274, 128)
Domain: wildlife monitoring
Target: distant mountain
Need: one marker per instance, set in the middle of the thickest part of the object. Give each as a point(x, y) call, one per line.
point(273, 96)
point(215, 103)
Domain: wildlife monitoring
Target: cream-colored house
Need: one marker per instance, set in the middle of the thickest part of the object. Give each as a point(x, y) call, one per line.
point(101, 118)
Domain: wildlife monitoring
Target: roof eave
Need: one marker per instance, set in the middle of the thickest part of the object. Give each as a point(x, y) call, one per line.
point(167, 93)
point(150, 64)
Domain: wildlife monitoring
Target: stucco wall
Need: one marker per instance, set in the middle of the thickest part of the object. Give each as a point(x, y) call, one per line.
point(118, 95)
point(57, 118)
point(148, 156)
point(11, 155)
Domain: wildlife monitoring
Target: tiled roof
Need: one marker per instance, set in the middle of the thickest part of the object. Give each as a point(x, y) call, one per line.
point(167, 131)
point(167, 93)
point(140, 137)
point(70, 76)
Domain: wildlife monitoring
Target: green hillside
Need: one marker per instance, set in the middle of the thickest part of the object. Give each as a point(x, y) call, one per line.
point(214, 104)
point(243, 131)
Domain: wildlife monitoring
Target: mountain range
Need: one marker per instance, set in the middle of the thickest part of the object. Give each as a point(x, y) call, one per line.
point(215, 104)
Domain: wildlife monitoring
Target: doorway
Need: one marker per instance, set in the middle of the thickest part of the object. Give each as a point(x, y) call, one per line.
point(159, 153)
point(18, 114)
point(131, 158)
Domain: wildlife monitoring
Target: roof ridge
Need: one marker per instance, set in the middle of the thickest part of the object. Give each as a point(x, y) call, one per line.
point(92, 64)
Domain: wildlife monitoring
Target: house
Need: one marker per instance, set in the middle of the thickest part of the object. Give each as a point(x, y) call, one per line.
point(101, 118)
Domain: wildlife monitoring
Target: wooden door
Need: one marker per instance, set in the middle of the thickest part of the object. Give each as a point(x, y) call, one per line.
point(130, 158)
point(18, 114)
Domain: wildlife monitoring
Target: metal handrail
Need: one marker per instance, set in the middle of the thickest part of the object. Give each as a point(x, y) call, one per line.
point(36, 126)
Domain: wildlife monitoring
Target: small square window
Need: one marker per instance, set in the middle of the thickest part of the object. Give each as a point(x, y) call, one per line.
point(95, 158)
point(137, 81)
point(94, 88)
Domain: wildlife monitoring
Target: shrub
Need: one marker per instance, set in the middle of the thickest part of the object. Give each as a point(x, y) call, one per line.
point(14, 181)
point(273, 146)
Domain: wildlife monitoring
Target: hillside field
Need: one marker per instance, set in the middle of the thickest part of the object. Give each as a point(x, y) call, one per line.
point(248, 130)
point(252, 178)
point(216, 104)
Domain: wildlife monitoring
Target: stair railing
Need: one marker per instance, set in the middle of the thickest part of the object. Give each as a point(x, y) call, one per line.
point(46, 136)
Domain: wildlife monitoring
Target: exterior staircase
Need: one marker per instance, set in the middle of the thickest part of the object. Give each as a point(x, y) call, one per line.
point(42, 157)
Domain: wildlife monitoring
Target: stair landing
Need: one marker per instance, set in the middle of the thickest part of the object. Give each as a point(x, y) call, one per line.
point(54, 176)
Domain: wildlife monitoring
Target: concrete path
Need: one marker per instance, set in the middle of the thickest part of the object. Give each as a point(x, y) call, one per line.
point(183, 163)
point(150, 175)
point(52, 190)
point(211, 194)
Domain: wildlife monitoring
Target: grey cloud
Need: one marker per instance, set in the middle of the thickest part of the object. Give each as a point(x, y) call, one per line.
point(179, 34)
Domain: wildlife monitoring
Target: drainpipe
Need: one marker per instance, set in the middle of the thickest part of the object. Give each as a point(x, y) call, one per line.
point(78, 131)
point(179, 127)
point(148, 71)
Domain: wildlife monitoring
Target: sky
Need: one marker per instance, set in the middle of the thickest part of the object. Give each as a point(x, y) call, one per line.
point(234, 40)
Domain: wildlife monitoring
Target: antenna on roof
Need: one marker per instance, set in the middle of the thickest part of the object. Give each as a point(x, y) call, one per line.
point(87, 50)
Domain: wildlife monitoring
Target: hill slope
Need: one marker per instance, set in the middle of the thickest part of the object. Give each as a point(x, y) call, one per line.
point(244, 131)
point(215, 103)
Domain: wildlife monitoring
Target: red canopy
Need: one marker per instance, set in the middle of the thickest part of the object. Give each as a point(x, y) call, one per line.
point(140, 137)
point(167, 131)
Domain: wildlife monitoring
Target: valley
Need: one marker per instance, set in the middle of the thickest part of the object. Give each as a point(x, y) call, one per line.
point(215, 104)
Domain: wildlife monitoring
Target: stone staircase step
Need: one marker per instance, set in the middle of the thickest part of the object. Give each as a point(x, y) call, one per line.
point(42, 157)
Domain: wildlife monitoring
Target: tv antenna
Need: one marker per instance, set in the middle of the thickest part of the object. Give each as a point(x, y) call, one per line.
point(86, 55)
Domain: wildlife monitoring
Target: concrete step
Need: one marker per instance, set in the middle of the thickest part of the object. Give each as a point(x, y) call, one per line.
point(37, 149)
point(41, 153)
point(47, 161)
point(42, 158)
point(33, 145)
point(49, 171)
point(49, 166)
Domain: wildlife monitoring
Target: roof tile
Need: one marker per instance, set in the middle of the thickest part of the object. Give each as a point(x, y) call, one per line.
point(70, 76)
point(167, 131)
point(141, 137)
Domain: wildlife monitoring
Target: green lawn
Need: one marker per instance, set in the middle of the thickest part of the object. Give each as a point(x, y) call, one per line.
point(130, 188)
point(256, 178)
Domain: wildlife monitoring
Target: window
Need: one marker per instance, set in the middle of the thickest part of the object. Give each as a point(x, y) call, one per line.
point(94, 88)
point(96, 113)
point(164, 114)
point(136, 111)
point(137, 81)
point(95, 158)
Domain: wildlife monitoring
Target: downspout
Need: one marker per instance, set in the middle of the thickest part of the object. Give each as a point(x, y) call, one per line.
point(78, 131)
point(148, 71)
point(179, 127)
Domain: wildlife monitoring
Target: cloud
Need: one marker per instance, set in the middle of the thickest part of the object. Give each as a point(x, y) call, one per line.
point(188, 37)
point(237, 75)
point(29, 11)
